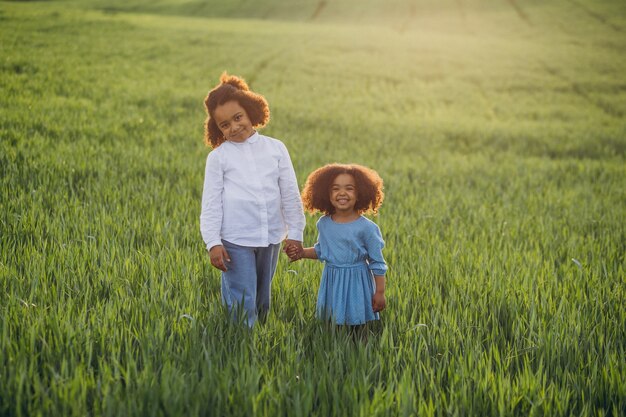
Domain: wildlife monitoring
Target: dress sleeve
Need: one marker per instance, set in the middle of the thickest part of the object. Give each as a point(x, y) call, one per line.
point(374, 244)
point(212, 208)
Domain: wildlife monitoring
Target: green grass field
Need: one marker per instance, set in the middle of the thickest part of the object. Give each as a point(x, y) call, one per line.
point(499, 128)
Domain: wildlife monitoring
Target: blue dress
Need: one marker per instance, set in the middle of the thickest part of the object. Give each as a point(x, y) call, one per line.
point(352, 253)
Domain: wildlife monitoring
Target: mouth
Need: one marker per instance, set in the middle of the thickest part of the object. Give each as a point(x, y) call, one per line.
point(342, 200)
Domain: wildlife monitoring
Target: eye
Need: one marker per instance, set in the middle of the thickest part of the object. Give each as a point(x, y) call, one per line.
point(238, 117)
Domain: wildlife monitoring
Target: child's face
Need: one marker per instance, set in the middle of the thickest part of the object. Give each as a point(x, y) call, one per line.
point(343, 193)
point(233, 121)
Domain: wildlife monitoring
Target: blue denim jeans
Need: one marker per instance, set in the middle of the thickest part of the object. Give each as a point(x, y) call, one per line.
point(247, 284)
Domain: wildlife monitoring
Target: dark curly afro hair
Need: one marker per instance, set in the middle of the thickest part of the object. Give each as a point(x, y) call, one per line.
point(233, 88)
point(369, 188)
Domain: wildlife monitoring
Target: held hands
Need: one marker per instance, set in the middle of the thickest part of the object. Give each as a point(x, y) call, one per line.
point(293, 249)
point(219, 257)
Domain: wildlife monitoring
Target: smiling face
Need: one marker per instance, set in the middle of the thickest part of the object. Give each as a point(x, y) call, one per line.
point(233, 121)
point(343, 193)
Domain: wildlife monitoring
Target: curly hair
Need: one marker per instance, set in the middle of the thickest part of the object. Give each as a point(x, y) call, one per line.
point(233, 88)
point(369, 188)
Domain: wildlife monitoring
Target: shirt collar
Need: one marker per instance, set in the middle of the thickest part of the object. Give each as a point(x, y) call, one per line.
point(251, 139)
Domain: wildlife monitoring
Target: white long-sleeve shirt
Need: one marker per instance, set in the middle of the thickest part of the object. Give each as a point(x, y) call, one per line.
point(251, 196)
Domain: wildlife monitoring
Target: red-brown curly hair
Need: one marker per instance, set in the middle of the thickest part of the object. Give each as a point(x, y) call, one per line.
point(233, 88)
point(369, 188)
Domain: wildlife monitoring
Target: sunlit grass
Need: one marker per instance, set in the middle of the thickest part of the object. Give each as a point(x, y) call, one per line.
point(501, 142)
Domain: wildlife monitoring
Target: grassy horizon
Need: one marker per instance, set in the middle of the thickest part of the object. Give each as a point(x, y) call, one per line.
point(499, 131)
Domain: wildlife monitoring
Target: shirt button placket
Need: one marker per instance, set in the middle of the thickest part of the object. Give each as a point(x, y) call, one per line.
point(258, 192)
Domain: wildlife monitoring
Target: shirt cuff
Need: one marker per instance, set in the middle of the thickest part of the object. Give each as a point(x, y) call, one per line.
point(213, 243)
point(296, 235)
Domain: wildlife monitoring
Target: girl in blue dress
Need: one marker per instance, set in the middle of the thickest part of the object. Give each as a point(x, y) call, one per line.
point(352, 289)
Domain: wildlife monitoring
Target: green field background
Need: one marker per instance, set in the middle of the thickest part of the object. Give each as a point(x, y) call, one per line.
point(498, 126)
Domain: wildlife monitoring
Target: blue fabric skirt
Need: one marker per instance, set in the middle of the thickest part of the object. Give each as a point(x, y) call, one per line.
point(345, 294)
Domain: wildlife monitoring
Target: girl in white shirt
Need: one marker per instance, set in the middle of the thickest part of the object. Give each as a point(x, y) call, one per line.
point(250, 200)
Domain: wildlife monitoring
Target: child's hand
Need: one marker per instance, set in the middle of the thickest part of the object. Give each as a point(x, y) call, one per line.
point(293, 250)
point(293, 253)
point(219, 257)
point(379, 302)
